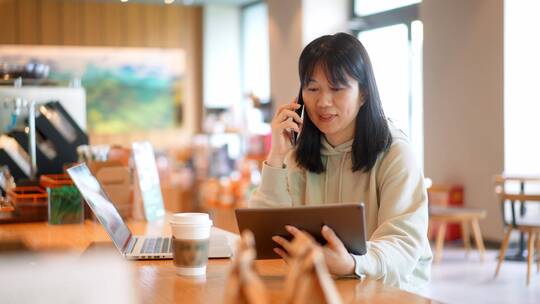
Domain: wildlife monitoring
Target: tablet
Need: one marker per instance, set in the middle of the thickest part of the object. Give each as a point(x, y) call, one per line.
point(347, 220)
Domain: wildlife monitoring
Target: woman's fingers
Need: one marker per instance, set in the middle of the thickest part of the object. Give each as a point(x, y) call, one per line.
point(295, 232)
point(293, 114)
point(283, 242)
point(332, 239)
point(287, 115)
point(291, 106)
point(292, 230)
point(289, 126)
point(281, 253)
point(287, 107)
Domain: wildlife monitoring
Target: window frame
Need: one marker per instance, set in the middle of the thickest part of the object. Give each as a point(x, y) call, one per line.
point(401, 15)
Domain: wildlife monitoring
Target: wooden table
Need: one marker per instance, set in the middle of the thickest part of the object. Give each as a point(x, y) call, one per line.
point(156, 281)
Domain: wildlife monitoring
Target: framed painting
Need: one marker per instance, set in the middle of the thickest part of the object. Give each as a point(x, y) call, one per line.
point(127, 89)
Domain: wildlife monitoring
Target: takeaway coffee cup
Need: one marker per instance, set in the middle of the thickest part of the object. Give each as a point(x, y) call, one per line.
point(190, 242)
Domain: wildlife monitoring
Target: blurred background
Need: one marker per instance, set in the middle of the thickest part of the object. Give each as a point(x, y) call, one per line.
point(82, 80)
point(199, 79)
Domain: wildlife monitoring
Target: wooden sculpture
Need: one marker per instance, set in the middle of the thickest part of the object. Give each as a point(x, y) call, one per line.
point(308, 280)
point(244, 285)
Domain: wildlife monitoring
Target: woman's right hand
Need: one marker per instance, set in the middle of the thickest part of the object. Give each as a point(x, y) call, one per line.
point(284, 122)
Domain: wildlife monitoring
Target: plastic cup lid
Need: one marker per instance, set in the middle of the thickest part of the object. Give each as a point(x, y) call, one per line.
point(191, 218)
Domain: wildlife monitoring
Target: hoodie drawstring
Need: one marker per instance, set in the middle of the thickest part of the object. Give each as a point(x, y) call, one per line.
point(326, 182)
point(342, 163)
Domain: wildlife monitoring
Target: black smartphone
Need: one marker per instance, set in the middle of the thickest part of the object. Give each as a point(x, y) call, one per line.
point(300, 112)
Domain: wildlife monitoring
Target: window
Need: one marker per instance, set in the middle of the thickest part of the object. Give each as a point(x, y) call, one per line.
point(369, 7)
point(393, 40)
point(255, 50)
point(255, 66)
point(521, 95)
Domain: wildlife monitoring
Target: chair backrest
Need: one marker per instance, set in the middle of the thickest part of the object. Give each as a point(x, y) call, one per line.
point(439, 195)
point(501, 190)
point(445, 195)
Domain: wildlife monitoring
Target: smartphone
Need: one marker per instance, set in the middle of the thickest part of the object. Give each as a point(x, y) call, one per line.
point(300, 112)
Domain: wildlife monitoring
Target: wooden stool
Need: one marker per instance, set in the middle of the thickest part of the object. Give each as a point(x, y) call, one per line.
point(466, 217)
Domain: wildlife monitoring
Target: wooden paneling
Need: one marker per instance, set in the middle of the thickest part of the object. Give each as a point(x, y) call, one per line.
point(8, 28)
point(153, 31)
point(28, 21)
point(174, 19)
point(135, 24)
point(71, 22)
point(93, 26)
point(115, 24)
point(96, 23)
point(51, 22)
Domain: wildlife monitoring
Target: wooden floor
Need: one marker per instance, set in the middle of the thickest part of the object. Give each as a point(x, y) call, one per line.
point(459, 279)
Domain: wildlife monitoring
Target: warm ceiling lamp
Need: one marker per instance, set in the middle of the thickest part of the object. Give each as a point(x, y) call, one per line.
point(168, 1)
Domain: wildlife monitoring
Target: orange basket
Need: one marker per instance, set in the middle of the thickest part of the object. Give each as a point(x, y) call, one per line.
point(6, 207)
point(27, 196)
point(55, 180)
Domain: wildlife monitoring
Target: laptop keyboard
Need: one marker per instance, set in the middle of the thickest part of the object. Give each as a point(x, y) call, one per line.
point(132, 245)
point(156, 245)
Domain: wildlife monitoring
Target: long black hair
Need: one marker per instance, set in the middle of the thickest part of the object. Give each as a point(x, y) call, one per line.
point(340, 55)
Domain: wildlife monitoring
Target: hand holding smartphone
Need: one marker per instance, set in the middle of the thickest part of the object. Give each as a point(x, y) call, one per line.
point(300, 112)
point(284, 125)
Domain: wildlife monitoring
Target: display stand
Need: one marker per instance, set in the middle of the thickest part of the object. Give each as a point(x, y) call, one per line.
point(243, 284)
point(308, 280)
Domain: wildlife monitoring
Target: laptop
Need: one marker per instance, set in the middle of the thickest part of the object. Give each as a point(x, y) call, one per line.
point(131, 246)
point(148, 180)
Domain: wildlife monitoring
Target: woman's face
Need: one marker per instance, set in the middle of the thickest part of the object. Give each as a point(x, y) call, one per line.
point(332, 108)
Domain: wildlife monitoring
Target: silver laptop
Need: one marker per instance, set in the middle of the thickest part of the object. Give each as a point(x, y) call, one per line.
point(131, 246)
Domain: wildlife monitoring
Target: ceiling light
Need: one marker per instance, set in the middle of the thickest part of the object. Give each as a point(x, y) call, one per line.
point(168, 1)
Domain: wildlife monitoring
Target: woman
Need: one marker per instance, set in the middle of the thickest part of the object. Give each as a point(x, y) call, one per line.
point(348, 152)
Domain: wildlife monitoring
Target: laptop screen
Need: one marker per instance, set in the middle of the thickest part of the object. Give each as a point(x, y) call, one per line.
point(100, 204)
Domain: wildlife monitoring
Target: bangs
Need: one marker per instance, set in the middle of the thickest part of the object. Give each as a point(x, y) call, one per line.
point(333, 71)
point(339, 56)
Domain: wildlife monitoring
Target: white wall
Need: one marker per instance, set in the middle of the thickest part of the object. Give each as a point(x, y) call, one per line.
point(463, 100)
point(323, 17)
point(221, 58)
point(285, 30)
point(292, 25)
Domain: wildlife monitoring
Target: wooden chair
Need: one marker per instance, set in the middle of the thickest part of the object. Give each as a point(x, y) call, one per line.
point(444, 215)
point(517, 222)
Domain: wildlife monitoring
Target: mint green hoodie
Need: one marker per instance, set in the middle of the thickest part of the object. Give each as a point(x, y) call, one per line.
point(395, 201)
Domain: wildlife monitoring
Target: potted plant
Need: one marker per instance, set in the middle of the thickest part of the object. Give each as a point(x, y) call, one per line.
point(65, 205)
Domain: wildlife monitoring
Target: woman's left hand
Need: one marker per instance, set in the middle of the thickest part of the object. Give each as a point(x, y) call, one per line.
point(339, 261)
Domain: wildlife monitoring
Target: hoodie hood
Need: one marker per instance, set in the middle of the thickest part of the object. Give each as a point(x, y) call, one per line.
point(337, 160)
point(327, 149)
